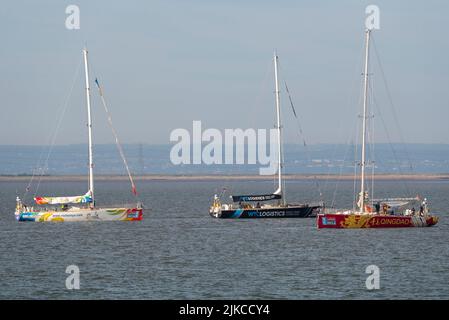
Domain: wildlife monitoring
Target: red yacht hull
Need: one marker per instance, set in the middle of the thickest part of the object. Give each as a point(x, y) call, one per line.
point(354, 221)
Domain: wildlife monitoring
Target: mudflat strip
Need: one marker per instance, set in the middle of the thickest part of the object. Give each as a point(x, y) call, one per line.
point(196, 177)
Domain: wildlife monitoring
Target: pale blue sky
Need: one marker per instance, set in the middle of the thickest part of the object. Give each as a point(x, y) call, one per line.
point(166, 63)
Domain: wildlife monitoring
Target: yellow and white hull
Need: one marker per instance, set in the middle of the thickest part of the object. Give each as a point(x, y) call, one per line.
point(82, 214)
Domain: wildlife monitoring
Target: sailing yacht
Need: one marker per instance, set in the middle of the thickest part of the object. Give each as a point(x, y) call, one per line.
point(80, 208)
point(243, 205)
point(376, 213)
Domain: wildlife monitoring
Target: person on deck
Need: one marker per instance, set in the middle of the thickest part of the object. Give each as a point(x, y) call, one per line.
point(424, 206)
point(377, 207)
point(384, 208)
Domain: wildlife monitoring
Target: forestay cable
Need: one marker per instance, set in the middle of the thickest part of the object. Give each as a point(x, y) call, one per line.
point(303, 139)
point(395, 117)
point(117, 142)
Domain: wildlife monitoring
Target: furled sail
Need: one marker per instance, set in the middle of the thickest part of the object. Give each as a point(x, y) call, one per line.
point(397, 202)
point(87, 198)
point(262, 197)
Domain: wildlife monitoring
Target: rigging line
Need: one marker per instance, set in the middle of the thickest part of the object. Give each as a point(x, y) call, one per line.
point(349, 102)
point(373, 163)
point(58, 125)
point(261, 90)
point(309, 159)
point(370, 132)
point(356, 163)
point(117, 142)
point(354, 193)
point(396, 158)
point(282, 163)
point(275, 181)
point(390, 100)
point(402, 140)
point(337, 183)
point(371, 139)
point(390, 144)
point(354, 144)
point(255, 103)
point(34, 171)
point(259, 95)
point(301, 135)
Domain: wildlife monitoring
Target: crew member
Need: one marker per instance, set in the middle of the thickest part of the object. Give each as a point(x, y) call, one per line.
point(377, 206)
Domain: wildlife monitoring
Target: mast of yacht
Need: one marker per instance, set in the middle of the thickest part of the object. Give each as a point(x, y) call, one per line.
point(278, 127)
point(89, 127)
point(365, 115)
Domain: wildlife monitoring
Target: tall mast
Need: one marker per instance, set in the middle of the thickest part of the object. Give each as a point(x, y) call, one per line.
point(89, 127)
point(365, 115)
point(278, 127)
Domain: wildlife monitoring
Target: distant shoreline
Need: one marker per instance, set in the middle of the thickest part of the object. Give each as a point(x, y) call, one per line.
point(211, 177)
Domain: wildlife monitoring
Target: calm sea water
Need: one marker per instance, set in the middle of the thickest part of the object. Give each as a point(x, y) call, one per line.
point(179, 252)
